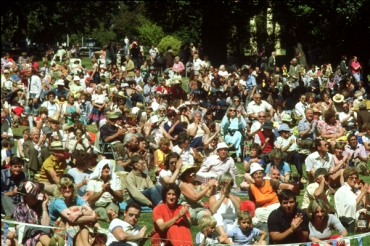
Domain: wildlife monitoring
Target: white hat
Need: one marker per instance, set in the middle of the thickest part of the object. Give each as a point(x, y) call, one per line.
point(125, 85)
point(187, 103)
point(222, 145)
point(59, 82)
point(255, 167)
point(242, 82)
point(154, 119)
point(75, 78)
point(6, 71)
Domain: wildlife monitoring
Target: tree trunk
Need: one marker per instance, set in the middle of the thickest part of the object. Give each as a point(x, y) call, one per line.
point(214, 32)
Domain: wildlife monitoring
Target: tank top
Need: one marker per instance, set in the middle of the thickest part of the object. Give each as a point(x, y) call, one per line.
point(270, 145)
point(227, 211)
point(193, 204)
point(265, 195)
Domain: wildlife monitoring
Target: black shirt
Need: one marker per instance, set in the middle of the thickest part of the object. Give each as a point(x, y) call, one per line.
point(278, 222)
point(109, 130)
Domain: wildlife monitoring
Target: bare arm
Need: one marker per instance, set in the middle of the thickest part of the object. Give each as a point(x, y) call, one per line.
point(53, 176)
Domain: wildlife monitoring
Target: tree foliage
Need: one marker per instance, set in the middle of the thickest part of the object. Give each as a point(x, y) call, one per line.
point(150, 33)
point(169, 41)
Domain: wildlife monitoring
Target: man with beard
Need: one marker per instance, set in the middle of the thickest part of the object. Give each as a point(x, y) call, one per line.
point(139, 186)
point(348, 117)
point(287, 224)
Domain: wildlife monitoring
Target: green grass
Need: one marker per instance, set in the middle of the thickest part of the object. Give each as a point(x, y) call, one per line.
point(146, 218)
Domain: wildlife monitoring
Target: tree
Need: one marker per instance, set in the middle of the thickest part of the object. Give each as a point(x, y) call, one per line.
point(167, 41)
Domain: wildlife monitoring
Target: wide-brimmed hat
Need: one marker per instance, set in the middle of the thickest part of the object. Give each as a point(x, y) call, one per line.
point(125, 85)
point(194, 102)
point(222, 145)
point(287, 117)
point(154, 119)
point(69, 78)
point(338, 98)
point(316, 110)
point(188, 168)
point(76, 78)
point(121, 94)
point(167, 71)
point(28, 188)
point(24, 53)
point(54, 119)
point(6, 71)
point(60, 82)
point(56, 145)
point(284, 128)
point(176, 82)
point(255, 167)
point(46, 130)
point(268, 125)
point(112, 115)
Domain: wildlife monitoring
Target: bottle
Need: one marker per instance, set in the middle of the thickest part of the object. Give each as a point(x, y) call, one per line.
point(361, 223)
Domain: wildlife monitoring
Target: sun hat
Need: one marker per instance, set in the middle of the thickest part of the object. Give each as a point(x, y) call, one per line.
point(222, 145)
point(24, 53)
point(176, 82)
point(194, 102)
point(60, 82)
point(316, 110)
point(121, 94)
point(47, 130)
point(154, 119)
point(338, 98)
point(167, 71)
point(28, 188)
point(75, 78)
point(56, 145)
point(320, 171)
point(54, 119)
point(112, 115)
point(69, 78)
point(6, 71)
point(268, 125)
point(287, 117)
point(284, 128)
point(186, 168)
point(125, 85)
point(255, 167)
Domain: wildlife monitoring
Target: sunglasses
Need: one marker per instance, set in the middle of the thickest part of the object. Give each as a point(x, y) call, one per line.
point(236, 100)
point(257, 97)
point(261, 116)
point(232, 110)
point(172, 162)
point(69, 187)
point(136, 215)
point(353, 178)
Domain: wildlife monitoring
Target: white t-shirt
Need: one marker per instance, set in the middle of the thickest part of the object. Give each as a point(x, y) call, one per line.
point(98, 98)
point(78, 177)
point(186, 155)
point(126, 227)
point(164, 173)
point(96, 186)
point(200, 132)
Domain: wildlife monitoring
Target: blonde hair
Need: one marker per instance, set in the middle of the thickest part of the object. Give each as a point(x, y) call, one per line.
point(164, 141)
point(65, 180)
point(244, 215)
point(206, 221)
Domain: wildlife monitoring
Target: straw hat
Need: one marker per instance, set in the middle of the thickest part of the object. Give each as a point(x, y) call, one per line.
point(338, 98)
point(56, 145)
point(188, 168)
point(54, 119)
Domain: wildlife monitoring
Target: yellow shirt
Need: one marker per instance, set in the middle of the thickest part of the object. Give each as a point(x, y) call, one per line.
point(51, 163)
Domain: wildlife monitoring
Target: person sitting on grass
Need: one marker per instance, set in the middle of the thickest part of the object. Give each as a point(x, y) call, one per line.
point(244, 234)
point(208, 234)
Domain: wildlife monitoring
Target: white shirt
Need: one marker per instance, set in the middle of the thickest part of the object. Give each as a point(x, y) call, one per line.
point(198, 63)
point(254, 108)
point(200, 132)
point(345, 201)
point(314, 161)
point(186, 155)
point(213, 164)
point(309, 196)
point(300, 108)
point(35, 86)
point(126, 227)
point(350, 121)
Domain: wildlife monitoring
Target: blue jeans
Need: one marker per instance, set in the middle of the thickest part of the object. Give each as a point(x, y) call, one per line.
point(154, 194)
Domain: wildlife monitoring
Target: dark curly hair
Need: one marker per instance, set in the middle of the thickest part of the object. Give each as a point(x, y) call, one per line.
point(167, 188)
point(328, 115)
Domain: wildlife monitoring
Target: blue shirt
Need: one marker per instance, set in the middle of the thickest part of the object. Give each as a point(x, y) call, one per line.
point(58, 205)
point(243, 237)
point(283, 168)
point(8, 183)
point(250, 82)
point(303, 125)
point(261, 162)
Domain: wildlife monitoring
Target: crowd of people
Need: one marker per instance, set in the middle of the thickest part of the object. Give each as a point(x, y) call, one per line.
point(164, 144)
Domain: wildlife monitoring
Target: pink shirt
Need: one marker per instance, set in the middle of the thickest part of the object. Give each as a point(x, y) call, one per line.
point(353, 65)
point(178, 67)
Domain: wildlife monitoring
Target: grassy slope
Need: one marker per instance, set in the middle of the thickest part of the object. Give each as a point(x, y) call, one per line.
point(146, 218)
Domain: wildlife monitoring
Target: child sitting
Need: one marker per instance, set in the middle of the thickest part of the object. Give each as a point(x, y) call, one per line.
point(245, 233)
point(208, 235)
point(6, 153)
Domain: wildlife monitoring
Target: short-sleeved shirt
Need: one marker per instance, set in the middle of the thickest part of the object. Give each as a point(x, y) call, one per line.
point(278, 222)
point(261, 162)
point(78, 177)
point(95, 185)
point(243, 237)
point(126, 227)
point(303, 125)
point(285, 142)
point(333, 223)
point(51, 163)
point(58, 205)
point(186, 155)
point(314, 161)
point(283, 168)
point(8, 183)
point(309, 196)
point(254, 108)
point(212, 240)
point(359, 150)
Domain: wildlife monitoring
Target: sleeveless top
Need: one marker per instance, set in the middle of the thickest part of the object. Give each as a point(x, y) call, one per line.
point(265, 195)
point(227, 211)
point(161, 156)
point(270, 146)
point(193, 204)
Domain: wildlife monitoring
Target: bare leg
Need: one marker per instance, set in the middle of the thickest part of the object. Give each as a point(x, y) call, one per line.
point(221, 231)
point(44, 240)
